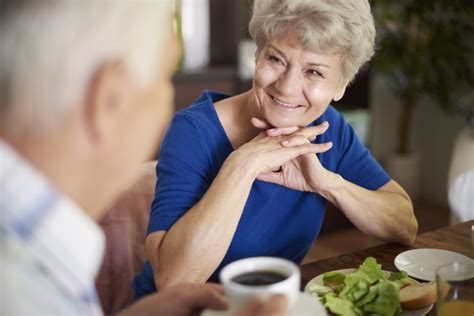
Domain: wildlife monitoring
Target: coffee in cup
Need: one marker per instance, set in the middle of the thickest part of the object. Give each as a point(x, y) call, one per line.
point(262, 277)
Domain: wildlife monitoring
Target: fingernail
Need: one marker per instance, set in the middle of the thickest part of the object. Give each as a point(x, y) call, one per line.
point(329, 144)
point(271, 130)
point(325, 123)
point(285, 142)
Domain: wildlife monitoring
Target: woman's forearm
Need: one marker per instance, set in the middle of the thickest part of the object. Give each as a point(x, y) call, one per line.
point(196, 244)
point(386, 214)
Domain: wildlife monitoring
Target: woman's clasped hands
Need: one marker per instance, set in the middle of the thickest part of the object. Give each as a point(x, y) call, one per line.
point(294, 163)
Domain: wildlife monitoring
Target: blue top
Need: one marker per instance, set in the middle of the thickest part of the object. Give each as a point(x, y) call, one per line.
point(276, 221)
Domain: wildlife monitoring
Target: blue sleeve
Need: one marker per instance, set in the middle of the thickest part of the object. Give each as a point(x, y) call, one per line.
point(356, 164)
point(181, 174)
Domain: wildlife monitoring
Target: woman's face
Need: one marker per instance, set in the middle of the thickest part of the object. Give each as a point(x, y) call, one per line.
point(294, 86)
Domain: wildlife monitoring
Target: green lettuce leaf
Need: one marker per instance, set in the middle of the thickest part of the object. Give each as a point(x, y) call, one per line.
point(355, 288)
point(387, 302)
point(401, 278)
point(320, 289)
point(369, 298)
point(397, 275)
point(339, 306)
point(371, 270)
point(333, 277)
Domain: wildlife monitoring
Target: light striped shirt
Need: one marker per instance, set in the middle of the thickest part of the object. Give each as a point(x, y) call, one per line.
point(50, 249)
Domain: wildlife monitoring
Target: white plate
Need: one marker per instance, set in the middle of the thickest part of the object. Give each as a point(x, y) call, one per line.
point(306, 305)
point(319, 281)
point(422, 263)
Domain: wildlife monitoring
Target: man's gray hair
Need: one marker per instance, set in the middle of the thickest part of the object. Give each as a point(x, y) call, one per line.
point(50, 49)
point(343, 27)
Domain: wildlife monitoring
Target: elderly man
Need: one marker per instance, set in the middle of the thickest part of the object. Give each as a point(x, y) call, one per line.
point(85, 93)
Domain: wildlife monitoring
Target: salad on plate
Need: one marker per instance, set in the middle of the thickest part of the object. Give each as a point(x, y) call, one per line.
point(368, 290)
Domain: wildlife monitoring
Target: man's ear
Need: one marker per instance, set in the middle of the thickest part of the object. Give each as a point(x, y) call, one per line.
point(106, 100)
point(340, 92)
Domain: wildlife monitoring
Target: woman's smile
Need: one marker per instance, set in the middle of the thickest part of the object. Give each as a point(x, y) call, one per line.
point(285, 105)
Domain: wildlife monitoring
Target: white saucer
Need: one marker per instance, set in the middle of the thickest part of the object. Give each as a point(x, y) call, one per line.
point(306, 305)
point(422, 263)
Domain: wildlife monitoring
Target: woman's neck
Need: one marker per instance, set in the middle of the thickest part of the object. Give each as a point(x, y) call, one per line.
point(235, 114)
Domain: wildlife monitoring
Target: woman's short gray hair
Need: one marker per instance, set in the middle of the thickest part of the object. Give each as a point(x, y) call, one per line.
point(50, 49)
point(343, 27)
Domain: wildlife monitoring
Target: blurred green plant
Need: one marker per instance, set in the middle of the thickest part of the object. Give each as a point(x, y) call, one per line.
point(425, 48)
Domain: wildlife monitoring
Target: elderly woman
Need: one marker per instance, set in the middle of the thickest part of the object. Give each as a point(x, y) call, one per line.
point(239, 176)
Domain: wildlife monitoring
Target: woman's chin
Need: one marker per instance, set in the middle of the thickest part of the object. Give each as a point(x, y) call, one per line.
point(279, 123)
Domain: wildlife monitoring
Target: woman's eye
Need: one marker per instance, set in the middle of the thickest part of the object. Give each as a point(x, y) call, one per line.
point(316, 73)
point(274, 59)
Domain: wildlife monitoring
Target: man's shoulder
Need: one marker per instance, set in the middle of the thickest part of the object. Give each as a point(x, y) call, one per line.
point(28, 287)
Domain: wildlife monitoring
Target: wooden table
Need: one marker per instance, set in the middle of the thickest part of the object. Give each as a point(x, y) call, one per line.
point(458, 238)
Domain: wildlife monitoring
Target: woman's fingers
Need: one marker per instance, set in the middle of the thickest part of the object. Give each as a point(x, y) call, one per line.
point(271, 152)
point(312, 148)
point(282, 131)
point(314, 130)
point(270, 131)
point(293, 147)
point(259, 123)
point(299, 140)
point(272, 177)
point(294, 141)
point(309, 132)
point(280, 156)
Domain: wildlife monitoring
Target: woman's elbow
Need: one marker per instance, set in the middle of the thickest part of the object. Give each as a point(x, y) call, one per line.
point(409, 232)
point(402, 228)
point(407, 226)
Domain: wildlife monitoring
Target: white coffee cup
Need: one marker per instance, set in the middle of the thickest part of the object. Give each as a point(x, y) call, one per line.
point(238, 294)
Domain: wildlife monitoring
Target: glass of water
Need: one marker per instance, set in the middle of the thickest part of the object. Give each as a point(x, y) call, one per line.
point(455, 289)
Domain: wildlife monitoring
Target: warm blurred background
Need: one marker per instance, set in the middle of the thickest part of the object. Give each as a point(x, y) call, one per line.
point(410, 106)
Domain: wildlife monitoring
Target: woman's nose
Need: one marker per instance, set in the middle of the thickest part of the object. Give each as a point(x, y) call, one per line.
point(288, 83)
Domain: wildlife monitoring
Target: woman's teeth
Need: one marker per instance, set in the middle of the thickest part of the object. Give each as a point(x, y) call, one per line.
point(284, 104)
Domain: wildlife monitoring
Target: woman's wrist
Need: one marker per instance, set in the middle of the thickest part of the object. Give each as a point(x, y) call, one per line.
point(247, 168)
point(333, 182)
